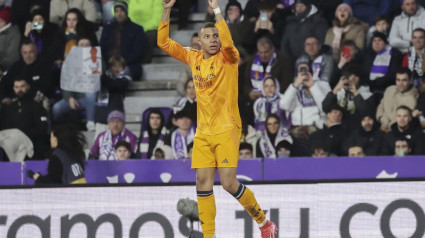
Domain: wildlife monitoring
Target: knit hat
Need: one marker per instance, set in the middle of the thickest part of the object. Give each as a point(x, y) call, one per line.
point(116, 115)
point(122, 4)
point(344, 5)
point(5, 14)
point(380, 35)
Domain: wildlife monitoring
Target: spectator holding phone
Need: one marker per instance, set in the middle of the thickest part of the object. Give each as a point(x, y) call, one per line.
point(350, 54)
point(352, 94)
point(304, 99)
point(268, 24)
point(42, 33)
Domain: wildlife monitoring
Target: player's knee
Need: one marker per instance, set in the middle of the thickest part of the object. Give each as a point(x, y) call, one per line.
point(204, 180)
point(229, 185)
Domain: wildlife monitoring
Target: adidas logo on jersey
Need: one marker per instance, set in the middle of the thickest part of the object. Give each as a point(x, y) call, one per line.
point(225, 161)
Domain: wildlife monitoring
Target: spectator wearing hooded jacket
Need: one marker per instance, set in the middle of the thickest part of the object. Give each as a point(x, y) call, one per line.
point(366, 10)
point(412, 17)
point(369, 136)
point(307, 21)
point(303, 99)
point(273, 134)
point(153, 134)
point(268, 103)
point(265, 63)
point(345, 27)
point(125, 38)
point(10, 38)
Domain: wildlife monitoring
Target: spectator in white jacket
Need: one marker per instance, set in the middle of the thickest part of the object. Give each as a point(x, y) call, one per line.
point(304, 99)
point(412, 17)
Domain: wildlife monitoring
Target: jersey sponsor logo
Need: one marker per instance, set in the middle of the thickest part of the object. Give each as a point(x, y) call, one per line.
point(203, 82)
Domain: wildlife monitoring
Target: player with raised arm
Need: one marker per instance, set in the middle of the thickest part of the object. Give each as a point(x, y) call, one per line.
point(216, 143)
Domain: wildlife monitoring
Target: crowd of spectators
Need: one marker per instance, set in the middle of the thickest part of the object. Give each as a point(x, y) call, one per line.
point(316, 78)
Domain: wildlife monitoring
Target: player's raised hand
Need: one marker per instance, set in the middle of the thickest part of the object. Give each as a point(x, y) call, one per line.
point(168, 3)
point(213, 3)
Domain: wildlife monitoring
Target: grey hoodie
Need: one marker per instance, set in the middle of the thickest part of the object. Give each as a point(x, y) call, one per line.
point(402, 28)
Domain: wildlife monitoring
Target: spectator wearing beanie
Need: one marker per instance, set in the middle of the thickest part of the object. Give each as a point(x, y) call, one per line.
point(345, 27)
point(9, 40)
point(381, 63)
point(124, 38)
point(307, 21)
point(103, 147)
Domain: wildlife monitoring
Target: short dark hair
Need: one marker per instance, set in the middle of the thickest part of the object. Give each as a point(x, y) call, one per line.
point(123, 143)
point(195, 35)
point(267, 5)
point(284, 144)
point(207, 25)
point(313, 36)
point(419, 29)
point(27, 42)
point(405, 70)
point(20, 78)
point(319, 146)
point(245, 146)
point(404, 107)
point(408, 142)
point(348, 43)
point(356, 69)
point(381, 17)
point(272, 115)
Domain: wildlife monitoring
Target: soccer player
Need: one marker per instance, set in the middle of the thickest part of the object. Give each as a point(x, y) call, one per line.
point(216, 143)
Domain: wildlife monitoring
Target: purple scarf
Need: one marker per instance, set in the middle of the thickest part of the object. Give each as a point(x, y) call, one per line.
point(144, 144)
point(179, 142)
point(305, 97)
point(258, 74)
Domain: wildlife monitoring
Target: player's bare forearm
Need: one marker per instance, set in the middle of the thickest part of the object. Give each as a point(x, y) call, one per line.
point(167, 5)
point(214, 5)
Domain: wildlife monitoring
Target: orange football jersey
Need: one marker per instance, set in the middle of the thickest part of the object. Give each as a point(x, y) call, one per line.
point(215, 80)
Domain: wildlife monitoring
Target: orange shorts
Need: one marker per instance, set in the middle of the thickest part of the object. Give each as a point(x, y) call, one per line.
point(212, 151)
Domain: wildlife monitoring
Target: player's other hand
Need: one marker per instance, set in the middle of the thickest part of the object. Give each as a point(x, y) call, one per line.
point(168, 3)
point(213, 3)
